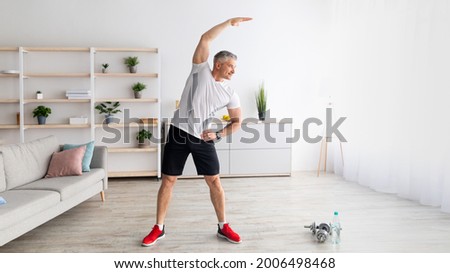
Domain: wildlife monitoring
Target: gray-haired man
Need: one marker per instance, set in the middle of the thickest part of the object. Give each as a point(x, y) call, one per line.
point(206, 92)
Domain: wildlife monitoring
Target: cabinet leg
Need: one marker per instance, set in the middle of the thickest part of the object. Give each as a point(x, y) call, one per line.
point(325, 158)
point(320, 159)
point(102, 196)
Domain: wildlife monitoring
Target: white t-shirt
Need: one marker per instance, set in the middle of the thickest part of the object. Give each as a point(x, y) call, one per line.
point(202, 97)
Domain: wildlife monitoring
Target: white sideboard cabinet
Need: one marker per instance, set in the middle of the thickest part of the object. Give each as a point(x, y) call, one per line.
point(261, 149)
point(257, 149)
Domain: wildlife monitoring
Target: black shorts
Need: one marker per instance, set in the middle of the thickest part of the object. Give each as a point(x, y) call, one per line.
point(177, 149)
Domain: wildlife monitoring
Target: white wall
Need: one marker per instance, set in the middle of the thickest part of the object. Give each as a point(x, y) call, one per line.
point(282, 46)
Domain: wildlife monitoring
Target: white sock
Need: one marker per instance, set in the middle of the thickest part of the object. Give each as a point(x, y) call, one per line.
point(221, 224)
point(160, 226)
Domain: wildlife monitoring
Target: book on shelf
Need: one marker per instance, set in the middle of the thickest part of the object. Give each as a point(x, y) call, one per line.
point(78, 91)
point(79, 98)
point(78, 94)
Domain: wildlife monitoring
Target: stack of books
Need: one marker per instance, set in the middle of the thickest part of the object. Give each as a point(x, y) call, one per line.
point(78, 94)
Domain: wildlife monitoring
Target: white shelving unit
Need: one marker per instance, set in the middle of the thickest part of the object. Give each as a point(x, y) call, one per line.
point(9, 93)
point(115, 86)
point(53, 70)
point(57, 69)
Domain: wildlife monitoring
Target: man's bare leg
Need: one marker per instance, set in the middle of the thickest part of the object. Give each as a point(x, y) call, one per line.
point(217, 196)
point(164, 197)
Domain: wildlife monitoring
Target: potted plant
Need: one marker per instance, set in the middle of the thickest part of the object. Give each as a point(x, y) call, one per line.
point(105, 68)
point(39, 95)
point(143, 137)
point(109, 108)
point(261, 102)
point(41, 112)
point(132, 62)
point(137, 88)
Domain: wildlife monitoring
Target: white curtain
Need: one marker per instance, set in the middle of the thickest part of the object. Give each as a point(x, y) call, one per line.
point(390, 67)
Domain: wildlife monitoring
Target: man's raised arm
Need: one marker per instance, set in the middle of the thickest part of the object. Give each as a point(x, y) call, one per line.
point(201, 53)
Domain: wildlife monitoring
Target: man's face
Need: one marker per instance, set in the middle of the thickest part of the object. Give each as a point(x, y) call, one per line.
point(226, 69)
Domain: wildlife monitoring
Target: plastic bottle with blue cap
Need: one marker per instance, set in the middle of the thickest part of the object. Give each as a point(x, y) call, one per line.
point(336, 229)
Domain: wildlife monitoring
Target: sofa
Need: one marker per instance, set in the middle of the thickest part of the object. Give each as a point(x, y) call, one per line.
point(30, 197)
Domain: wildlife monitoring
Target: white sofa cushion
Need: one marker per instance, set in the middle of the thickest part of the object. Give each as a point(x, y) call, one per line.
point(2, 174)
point(67, 186)
point(25, 204)
point(27, 162)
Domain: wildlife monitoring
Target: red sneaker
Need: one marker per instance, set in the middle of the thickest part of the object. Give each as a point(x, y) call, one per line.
point(155, 235)
point(227, 233)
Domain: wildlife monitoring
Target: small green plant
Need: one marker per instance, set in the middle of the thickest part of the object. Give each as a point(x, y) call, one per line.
point(261, 99)
point(41, 111)
point(143, 135)
point(105, 68)
point(138, 87)
point(108, 107)
point(131, 61)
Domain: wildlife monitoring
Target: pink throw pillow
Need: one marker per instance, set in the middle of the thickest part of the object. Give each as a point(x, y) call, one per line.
point(67, 162)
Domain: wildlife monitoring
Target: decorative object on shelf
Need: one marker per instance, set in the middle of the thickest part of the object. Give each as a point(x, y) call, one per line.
point(39, 95)
point(261, 102)
point(78, 94)
point(105, 68)
point(10, 71)
point(143, 137)
point(78, 120)
point(149, 120)
point(18, 118)
point(41, 112)
point(137, 88)
point(226, 118)
point(132, 62)
point(109, 108)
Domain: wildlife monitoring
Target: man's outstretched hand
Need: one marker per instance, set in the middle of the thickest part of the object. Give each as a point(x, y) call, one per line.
point(202, 51)
point(235, 21)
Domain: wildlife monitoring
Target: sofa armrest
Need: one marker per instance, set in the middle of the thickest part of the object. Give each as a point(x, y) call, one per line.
point(100, 157)
point(100, 160)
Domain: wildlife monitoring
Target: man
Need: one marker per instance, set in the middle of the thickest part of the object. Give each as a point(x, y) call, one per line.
point(205, 93)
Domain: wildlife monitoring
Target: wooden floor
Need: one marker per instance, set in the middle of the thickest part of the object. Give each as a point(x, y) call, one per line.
point(269, 213)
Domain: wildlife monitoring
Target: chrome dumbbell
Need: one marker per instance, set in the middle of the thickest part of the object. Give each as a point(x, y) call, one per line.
point(321, 231)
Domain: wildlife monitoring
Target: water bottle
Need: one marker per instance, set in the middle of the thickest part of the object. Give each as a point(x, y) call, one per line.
point(336, 229)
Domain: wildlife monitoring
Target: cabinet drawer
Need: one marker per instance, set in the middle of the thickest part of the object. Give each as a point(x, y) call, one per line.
point(261, 161)
point(261, 136)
